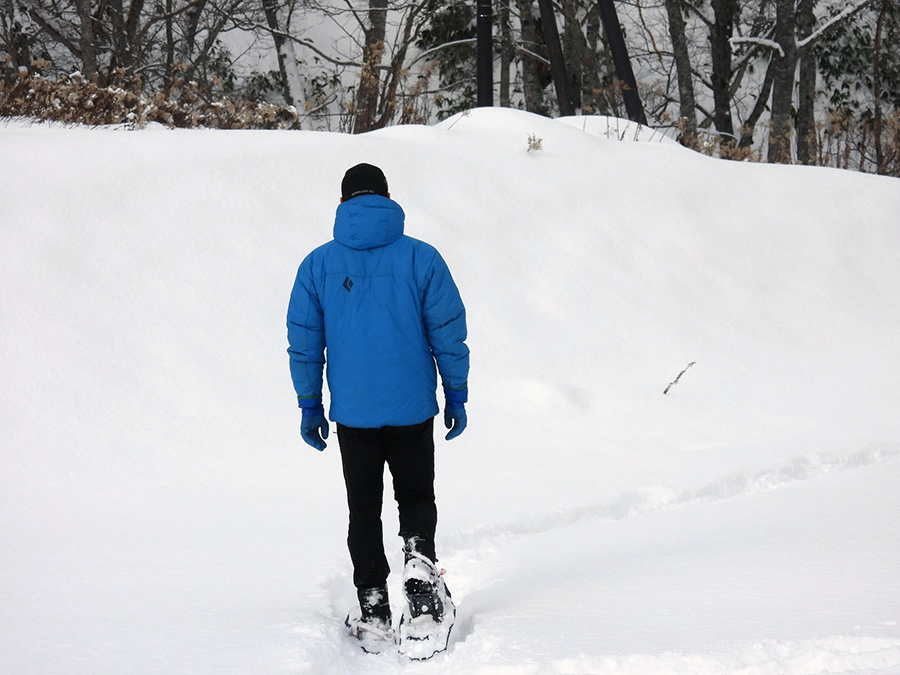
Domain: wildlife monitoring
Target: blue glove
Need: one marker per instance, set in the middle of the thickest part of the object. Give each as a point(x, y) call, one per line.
point(455, 411)
point(314, 426)
point(454, 419)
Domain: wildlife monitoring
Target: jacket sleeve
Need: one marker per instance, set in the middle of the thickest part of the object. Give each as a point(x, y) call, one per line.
point(445, 327)
point(306, 337)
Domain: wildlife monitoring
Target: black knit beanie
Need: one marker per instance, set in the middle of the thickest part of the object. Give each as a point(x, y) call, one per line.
point(363, 179)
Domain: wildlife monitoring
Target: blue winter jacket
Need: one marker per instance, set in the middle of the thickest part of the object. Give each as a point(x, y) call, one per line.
point(385, 308)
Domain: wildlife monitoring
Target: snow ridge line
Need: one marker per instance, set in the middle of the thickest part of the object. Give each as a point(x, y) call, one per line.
point(658, 498)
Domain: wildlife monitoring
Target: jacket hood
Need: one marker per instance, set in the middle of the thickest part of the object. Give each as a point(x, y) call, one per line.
point(368, 221)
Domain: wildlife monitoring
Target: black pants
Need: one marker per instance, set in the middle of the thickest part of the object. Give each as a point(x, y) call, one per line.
point(409, 453)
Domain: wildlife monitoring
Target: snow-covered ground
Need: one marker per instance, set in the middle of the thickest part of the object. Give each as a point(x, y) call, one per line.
point(160, 514)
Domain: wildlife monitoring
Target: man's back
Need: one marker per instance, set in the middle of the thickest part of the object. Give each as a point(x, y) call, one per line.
point(386, 307)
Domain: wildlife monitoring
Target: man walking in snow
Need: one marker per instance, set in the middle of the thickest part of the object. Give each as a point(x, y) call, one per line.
point(386, 309)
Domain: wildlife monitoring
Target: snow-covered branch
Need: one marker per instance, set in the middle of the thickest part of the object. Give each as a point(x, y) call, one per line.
point(741, 62)
point(771, 44)
point(439, 47)
point(537, 57)
point(833, 20)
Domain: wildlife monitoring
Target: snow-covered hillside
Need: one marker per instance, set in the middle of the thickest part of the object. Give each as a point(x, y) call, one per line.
point(159, 512)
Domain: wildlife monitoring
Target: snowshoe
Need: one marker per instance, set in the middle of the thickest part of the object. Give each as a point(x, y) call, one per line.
point(370, 623)
point(429, 613)
point(374, 637)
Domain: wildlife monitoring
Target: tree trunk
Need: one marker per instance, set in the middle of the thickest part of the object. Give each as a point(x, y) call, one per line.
point(16, 41)
point(619, 52)
point(531, 86)
point(270, 7)
point(594, 99)
point(687, 104)
point(367, 94)
point(761, 104)
point(170, 46)
point(122, 37)
point(557, 62)
point(506, 53)
point(211, 33)
point(720, 42)
point(131, 25)
point(880, 164)
point(806, 112)
point(388, 105)
point(294, 78)
point(484, 53)
point(191, 30)
point(87, 43)
point(574, 46)
point(783, 84)
point(116, 13)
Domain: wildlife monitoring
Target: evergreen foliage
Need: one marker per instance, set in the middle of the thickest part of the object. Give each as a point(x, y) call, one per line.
point(452, 23)
point(846, 56)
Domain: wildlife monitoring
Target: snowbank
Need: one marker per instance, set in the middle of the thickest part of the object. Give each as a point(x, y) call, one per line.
point(161, 514)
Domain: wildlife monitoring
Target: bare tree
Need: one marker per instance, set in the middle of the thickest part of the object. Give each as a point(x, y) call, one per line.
point(880, 164)
point(720, 47)
point(594, 98)
point(109, 37)
point(574, 45)
point(557, 60)
point(86, 43)
point(529, 49)
point(783, 83)
point(760, 107)
point(506, 52)
point(15, 39)
point(410, 27)
point(290, 80)
point(367, 94)
point(686, 101)
point(806, 110)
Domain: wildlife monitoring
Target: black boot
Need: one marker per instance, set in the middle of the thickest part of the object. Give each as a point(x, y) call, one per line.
point(421, 545)
point(371, 623)
point(375, 607)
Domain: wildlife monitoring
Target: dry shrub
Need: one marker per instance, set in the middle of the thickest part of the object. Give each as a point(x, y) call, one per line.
point(75, 100)
point(736, 153)
point(890, 135)
point(847, 141)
